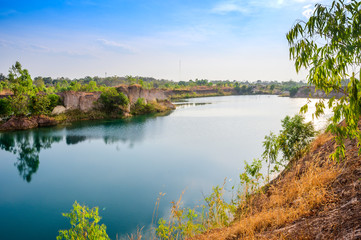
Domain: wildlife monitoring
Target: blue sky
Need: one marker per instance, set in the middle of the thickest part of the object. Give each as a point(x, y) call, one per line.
point(225, 39)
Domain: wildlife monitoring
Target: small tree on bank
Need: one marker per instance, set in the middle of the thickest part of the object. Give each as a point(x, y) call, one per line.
point(328, 45)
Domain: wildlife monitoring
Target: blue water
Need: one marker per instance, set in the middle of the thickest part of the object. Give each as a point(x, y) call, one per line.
point(122, 165)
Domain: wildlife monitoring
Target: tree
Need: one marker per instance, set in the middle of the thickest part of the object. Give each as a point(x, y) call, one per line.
point(113, 101)
point(22, 87)
point(328, 45)
point(295, 136)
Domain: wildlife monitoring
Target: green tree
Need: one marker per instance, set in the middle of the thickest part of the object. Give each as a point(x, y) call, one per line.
point(84, 224)
point(113, 101)
point(295, 136)
point(21, 85)
point(270, 154)
point(5, 107)
point(39, 104)
point(328, 46)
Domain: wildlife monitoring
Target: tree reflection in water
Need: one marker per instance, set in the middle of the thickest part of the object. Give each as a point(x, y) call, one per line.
point(27, 146)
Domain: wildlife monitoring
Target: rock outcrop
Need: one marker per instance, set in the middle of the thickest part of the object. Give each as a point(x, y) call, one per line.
point(58, 110)
point(83, 101)
point(133, 92)
point(22, 123)
point(309, 91)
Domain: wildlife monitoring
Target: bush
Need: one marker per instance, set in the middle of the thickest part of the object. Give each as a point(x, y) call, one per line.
point(140, 107)
point(20, 105)
point(54, 101)
point(39, 104)
point(5, 107)
point(84, 224)
point(112, 101)
point(293, 91)
point(295, 136)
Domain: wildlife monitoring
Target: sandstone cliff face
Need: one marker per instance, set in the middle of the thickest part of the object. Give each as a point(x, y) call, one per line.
point(135, 91)
point(87, 101)
point(80, 100)
point(309, 91)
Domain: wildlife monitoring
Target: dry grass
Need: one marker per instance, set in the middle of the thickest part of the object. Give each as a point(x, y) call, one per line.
point(320, 140)
point(291, 198)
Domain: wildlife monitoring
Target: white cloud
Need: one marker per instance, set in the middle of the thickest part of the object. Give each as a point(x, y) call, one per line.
point(230, 6)
point(118, 45)
point(309, 9)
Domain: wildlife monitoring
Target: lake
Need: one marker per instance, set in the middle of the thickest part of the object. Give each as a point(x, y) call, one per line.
point(122, 165)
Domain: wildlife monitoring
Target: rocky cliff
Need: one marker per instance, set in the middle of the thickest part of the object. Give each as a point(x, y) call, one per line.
point(135, 91)
point(310, 91)
point(87, 101)
point(83, 101)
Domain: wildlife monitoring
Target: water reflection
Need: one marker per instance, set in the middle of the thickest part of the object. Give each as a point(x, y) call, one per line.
point(27, 147)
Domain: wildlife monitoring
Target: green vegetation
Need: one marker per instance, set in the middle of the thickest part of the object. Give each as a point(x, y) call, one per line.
point(112, 101)
point(84, 224)
point(328, 45)
point(217, 212)
point(140, 107)
point(5, 107)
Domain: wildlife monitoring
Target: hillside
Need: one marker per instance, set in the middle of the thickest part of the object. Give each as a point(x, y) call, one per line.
point(315, 198)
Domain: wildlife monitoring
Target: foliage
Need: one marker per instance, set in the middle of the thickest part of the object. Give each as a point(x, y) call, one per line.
point(293, 91)
point(20, 105)
point(54, 101)
point(328, 45)
point(113, 101)
point(20, 80)
point(5, 107)
point(251, 177)
point(140, 107)
point(39, 104)
point(22, 86)
point(295, 136)
point(182, 222)
point(219, 211)
point(84, 224)
point(270, 153)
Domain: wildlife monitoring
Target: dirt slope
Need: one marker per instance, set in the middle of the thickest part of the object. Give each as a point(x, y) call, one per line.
point(314, 199)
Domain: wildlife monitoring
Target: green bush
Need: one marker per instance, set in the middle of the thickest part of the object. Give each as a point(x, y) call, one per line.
point(20, 105)
point(295, 136)
point(5, 107)
point(140, 107)
point(39, 104)
point(84, 224)
point(113, 101)
point(293, 91)
point(54, 101)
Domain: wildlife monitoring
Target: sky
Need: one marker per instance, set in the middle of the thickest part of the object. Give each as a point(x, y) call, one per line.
point(166, 39)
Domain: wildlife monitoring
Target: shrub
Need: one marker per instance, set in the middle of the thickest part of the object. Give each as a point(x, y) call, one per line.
point(293, 91)
point(84, 224)
point(54, 101)
point(295, 136)
point(140, 107)
point(113, 101)
point(39, 104)
point(5, 107)
point(20, 105)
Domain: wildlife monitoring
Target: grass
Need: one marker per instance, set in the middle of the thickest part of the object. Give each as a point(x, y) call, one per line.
point(294, 199)
point(301, 190)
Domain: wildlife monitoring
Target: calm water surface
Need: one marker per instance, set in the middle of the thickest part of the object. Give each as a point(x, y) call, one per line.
point(122, 165)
